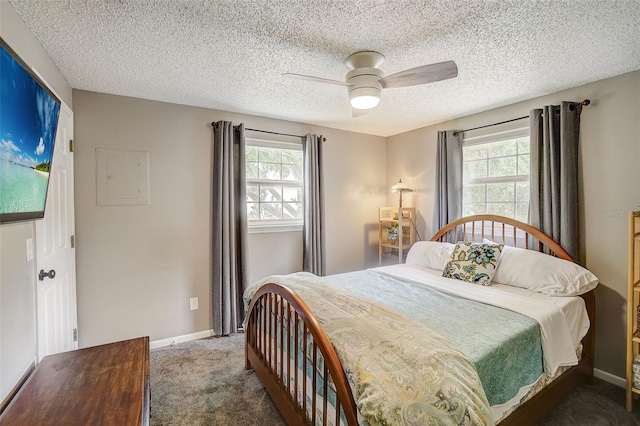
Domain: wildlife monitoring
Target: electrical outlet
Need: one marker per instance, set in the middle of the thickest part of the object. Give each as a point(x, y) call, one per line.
point(193, 303)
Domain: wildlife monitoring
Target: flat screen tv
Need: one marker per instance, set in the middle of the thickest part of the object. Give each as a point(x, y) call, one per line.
point(29, 114)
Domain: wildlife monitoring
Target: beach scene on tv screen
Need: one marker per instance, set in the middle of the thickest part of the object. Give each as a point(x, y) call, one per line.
point(28, 122)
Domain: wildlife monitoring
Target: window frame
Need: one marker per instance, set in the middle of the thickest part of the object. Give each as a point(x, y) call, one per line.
point(275, 225)
point(489, 138)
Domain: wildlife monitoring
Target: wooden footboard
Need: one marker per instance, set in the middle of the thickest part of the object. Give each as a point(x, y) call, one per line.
point(280, 330)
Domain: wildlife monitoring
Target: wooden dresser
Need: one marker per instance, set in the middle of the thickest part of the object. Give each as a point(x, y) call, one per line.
point(101, 385)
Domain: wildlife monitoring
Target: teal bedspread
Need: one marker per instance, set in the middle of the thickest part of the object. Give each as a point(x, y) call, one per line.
point(504, 346)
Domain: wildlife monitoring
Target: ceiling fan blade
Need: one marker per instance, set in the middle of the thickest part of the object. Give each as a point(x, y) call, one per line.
point(355, 112)
point(316, 79)
point(421, 75)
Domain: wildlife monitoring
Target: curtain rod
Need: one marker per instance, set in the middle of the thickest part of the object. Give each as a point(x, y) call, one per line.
point(273, 133)
point(584, 103)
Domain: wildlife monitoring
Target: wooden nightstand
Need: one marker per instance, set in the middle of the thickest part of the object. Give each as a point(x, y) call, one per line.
point(403, 220)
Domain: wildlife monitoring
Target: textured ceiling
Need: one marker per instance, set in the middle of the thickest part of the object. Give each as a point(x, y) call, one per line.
point(230, 55)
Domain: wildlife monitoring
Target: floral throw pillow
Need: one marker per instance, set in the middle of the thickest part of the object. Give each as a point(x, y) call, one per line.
point(473, 262)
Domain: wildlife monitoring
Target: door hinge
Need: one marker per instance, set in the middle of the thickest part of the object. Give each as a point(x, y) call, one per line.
point(75, 334)
point(73, 241)
point(70, 145)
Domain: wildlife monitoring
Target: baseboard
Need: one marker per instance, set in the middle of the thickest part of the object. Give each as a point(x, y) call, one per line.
point(608, 377)
point(179, 339)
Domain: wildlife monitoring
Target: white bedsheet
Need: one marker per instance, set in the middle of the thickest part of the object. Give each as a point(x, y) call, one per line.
point(563, 323)
point(573, 308)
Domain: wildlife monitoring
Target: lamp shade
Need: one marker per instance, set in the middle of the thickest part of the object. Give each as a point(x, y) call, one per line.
point(401, 187)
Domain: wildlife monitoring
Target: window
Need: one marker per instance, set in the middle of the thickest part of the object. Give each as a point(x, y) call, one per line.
point(275, 188)
point(496, 175)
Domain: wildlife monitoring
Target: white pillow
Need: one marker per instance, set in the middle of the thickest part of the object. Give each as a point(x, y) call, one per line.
point(430, 254)
point(542, 273)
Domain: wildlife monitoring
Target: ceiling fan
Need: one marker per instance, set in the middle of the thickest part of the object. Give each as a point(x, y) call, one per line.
point(365, 80)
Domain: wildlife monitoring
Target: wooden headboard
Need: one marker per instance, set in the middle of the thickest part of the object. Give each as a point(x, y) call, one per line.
point(502, 230)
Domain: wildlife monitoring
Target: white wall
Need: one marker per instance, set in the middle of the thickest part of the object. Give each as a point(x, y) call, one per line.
point(137, 267)
point(17, 276)
point(17, 306)
point(610, 156)
point(274, 253)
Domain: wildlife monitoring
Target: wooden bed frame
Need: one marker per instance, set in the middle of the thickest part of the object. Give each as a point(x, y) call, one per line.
point(273, 305)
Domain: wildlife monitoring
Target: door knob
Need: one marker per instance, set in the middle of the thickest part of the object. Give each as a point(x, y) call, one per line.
point(51, 274)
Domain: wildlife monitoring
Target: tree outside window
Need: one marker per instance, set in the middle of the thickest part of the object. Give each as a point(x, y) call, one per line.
point(275, 190)
point(496, 176)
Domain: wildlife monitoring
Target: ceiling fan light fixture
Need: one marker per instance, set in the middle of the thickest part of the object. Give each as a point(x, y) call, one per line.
point(365, 79)
point(364, 97)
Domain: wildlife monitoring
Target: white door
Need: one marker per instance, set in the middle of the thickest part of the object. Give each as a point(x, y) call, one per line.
point(56, 297)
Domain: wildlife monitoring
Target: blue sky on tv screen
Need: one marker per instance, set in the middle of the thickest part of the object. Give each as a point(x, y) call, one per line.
point(28, 116)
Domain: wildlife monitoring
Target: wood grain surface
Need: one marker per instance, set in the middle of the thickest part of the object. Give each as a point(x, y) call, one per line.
point(101, 385)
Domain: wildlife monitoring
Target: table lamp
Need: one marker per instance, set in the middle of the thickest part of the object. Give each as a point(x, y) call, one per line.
point(401, 187)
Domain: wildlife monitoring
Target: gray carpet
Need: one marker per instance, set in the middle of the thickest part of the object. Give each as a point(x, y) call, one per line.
point(203, 382)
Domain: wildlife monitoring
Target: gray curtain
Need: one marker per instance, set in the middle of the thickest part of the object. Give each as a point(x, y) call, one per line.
point(555, 133)
point(448, 200)
point(229, 228)
point(313, 256)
